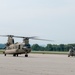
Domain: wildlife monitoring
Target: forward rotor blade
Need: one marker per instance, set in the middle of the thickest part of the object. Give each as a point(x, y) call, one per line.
point(17, 36)
point(7, 35)
point(3, 35)
point(23, 37)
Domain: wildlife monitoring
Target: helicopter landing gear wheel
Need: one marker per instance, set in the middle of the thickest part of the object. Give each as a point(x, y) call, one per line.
point(4, 54)
point(68, 55)
point(26, 55)
point(14, 55)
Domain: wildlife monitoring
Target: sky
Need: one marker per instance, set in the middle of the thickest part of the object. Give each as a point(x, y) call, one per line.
point(47, 19)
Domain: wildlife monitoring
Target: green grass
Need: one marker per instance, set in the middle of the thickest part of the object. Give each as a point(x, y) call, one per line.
point(1, 51)
point(48, 52)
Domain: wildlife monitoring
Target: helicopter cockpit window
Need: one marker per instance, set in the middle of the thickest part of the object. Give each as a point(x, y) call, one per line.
point(27, 45)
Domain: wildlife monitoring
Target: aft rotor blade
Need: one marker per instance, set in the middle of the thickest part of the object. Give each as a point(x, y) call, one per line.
point(21, 37)
point(33, 38)
point(42, 39)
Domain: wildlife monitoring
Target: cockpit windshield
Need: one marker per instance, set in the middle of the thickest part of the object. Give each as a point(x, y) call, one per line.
point(27, 45)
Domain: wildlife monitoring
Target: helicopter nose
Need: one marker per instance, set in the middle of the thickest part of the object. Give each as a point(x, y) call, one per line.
point(25, 49)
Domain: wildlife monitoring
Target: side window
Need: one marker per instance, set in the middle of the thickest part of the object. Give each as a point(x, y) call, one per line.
point(19, 47)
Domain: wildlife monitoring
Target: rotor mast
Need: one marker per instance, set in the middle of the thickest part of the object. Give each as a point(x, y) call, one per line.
point(26, 40)
point(10, 40)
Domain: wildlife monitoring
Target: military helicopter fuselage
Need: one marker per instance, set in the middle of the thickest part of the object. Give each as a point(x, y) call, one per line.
point(18, 48)
point(71, 52)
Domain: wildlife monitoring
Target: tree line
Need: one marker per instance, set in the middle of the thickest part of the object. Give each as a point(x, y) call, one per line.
point(52, 47)
point(48, 47)
point(2, 46)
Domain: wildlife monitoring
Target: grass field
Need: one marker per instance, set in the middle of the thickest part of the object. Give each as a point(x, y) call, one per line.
point(1, 51)
point(43, 52)
point(49, 52)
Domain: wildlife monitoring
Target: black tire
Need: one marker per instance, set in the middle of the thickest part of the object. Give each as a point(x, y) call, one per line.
point(14, 55)
point(26, 55)
point(4, 54)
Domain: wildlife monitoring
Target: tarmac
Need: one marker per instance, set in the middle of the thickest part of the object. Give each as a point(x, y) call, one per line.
point(37, 64)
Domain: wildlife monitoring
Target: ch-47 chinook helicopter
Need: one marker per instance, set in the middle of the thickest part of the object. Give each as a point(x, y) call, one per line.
point(18, 48)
